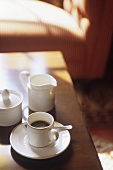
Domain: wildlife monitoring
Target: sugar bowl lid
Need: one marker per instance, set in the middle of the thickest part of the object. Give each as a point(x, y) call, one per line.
point(9, 99)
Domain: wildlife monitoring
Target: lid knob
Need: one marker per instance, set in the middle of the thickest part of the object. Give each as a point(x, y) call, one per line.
point(5, 94)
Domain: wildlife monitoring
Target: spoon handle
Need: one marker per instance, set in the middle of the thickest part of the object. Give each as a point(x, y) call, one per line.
point(67, 127)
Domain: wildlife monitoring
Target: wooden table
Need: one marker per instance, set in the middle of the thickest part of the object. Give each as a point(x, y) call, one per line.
point(81, 153)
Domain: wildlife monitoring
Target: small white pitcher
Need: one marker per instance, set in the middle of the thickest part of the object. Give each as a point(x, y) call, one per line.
point(41, 90)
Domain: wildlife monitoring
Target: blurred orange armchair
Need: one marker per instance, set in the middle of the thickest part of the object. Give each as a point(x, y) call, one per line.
point(82, 31)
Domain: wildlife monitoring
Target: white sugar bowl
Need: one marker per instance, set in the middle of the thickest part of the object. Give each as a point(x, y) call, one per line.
point(10, 107)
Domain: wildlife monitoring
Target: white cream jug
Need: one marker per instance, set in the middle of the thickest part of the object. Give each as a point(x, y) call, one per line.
point(40, 89)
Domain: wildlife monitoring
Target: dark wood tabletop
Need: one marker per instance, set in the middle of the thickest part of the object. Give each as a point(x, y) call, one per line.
point(81, 153)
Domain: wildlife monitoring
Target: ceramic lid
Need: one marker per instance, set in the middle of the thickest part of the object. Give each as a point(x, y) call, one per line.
point(9, 99)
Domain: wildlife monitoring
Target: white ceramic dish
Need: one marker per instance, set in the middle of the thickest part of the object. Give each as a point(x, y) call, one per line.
point(10, 107)
point(19, 143)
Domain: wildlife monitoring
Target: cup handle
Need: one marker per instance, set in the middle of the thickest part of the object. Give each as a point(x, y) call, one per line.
point(23, 76)
point(55, 135)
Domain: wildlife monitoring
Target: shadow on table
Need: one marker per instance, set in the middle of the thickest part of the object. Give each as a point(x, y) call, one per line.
point(5, 133)
point(53, 163)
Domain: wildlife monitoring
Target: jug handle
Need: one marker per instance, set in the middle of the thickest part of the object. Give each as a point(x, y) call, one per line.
point(23, 76)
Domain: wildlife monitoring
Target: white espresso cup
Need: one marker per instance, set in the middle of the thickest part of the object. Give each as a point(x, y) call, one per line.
point(40, 132)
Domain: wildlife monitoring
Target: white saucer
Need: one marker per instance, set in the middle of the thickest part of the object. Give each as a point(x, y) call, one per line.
point(19, 143)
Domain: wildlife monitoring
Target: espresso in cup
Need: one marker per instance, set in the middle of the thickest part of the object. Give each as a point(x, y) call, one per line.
point(40, 124)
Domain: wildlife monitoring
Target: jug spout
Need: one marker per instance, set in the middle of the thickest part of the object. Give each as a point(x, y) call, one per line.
point(54, 83)
point(43, 81)
point(49, 85)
